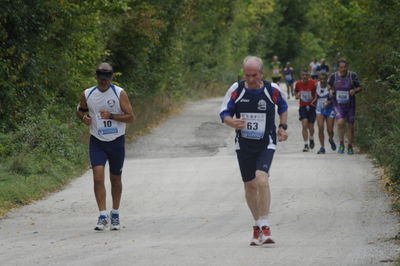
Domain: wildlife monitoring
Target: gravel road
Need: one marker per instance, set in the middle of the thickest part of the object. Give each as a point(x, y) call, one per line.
point(183, 204)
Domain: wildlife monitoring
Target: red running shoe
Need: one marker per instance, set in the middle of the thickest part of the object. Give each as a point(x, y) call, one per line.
point(265, 236)
point(255, 241)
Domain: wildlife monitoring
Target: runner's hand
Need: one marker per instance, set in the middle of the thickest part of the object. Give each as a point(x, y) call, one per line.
point(87, 119)
point(105, 114)
point(238, 123)
point(282, 134)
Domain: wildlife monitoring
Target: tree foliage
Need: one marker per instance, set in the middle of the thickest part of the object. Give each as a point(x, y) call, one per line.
point(172, 48)
point(367, 33)
point(175, 48)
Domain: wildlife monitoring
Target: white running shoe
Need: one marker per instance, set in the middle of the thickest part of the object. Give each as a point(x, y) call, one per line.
point(114, 221)
point(102, 223)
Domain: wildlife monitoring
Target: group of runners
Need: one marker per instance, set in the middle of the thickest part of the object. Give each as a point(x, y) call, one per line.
point(249, 107)
point(323, 97)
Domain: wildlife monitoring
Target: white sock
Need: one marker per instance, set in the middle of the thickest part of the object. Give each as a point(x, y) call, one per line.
point(263, 221)
point(305, 142)
point(104, 213)
point(311, 137)
point(114, 211)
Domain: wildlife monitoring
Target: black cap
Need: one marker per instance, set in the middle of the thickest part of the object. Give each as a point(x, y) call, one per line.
point(104, 74)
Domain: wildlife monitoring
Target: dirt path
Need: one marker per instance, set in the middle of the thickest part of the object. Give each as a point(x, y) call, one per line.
point(183, 204)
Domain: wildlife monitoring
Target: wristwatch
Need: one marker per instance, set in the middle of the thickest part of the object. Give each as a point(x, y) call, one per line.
point(284, 126)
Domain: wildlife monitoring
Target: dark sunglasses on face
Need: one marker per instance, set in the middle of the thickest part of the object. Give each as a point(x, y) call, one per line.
point(104, 73)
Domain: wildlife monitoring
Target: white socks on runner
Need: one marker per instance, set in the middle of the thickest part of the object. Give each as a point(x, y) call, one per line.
point(263, 221)
point(105, 213)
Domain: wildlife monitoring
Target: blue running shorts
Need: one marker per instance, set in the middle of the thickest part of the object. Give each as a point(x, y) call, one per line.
point(113, 151)
point(249, 162)
point(327, 112)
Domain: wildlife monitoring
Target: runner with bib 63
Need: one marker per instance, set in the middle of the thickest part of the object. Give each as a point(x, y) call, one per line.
point(249, 108)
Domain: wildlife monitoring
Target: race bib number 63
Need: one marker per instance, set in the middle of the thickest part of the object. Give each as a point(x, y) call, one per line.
point(254, 125)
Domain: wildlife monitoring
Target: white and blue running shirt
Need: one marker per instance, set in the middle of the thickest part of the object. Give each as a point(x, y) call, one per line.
point(105, 129)
point(257, 108)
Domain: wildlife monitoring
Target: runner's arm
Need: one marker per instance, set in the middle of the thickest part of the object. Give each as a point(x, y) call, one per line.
point(228, 104)
point(282, 134)
point(314, 94)
point(356, 84)
point(128, 116)
point(227, 110)
point(331, 81)
point(234, 122)
point(296, 92)
point(81, 110)
point(126, 107)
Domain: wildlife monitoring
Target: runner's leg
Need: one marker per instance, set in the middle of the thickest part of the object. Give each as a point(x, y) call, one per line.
point(350, 122)
point(311, 129)
point(116, 156)
point(251, 192)
point(341, 124)
point(350, 133)
point(99, 187)
point(116, 190)
point(320, 122)
point(304, 124)
point(329, 127)
point(264, 194)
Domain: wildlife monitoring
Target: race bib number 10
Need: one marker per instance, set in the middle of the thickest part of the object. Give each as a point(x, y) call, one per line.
point(254, 125)
point(105, 126)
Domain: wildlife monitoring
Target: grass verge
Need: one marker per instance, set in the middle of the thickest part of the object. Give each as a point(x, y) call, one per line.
point(39, 168)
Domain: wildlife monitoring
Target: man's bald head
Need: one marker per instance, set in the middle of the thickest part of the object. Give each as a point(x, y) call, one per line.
point(253, 61)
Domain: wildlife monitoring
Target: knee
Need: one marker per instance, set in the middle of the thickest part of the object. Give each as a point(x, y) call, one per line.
point(340, 123)
point(115, 180)
point(98, 180)
point(98, 175)
point(250, 187)
point(262, 179)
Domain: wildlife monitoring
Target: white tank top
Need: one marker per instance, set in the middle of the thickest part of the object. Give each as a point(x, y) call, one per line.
point(105, 129)
point(322, 92)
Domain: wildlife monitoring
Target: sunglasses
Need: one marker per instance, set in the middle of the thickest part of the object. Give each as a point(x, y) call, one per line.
point(104, 74)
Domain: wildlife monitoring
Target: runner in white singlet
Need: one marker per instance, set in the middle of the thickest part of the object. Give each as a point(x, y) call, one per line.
point(109, 110)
